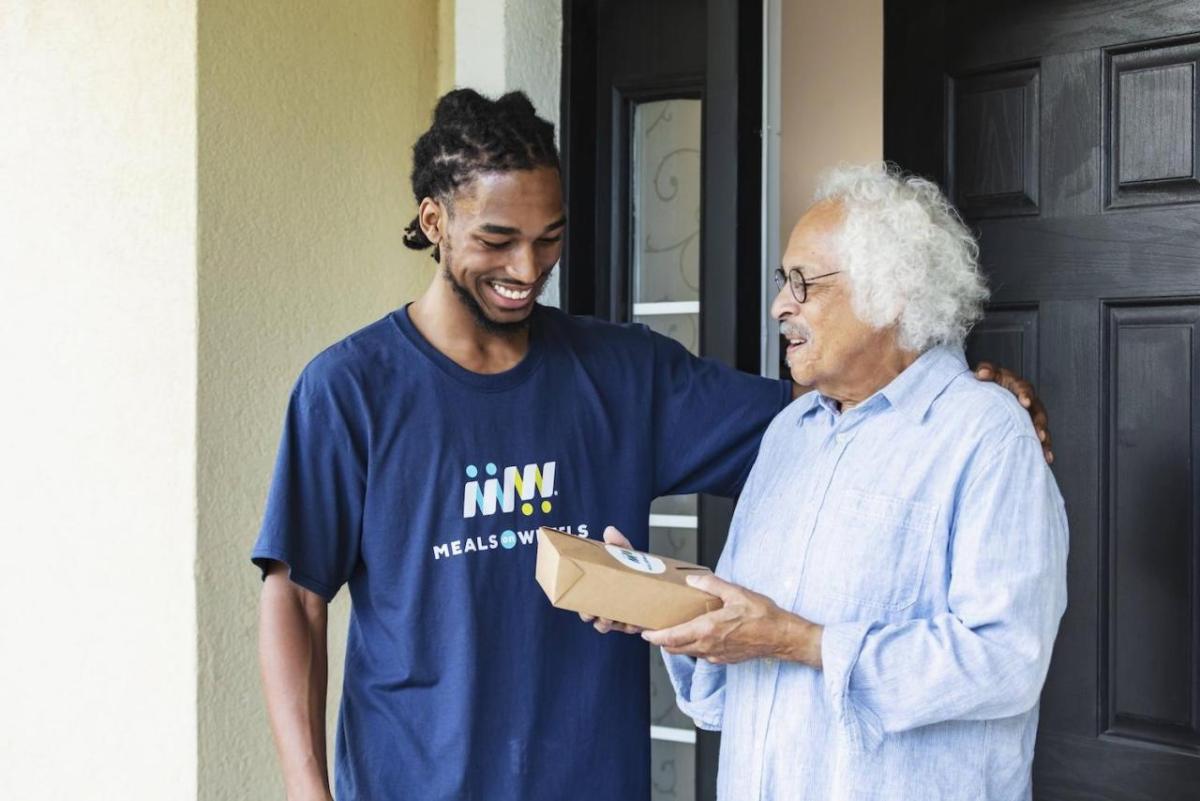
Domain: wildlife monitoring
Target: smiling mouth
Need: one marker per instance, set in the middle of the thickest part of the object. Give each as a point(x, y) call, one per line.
point(510, 292)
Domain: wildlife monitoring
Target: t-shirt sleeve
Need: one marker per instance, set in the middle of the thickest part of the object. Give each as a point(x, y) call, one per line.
point(708, 421)
point(314, 510)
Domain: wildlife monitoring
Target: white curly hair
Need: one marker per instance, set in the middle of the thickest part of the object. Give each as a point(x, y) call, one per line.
point(908, 256)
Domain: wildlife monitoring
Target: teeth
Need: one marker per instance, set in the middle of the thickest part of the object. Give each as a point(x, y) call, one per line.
point(511, 294)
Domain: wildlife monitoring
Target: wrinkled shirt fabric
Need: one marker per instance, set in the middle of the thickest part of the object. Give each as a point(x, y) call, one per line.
point(925, 532)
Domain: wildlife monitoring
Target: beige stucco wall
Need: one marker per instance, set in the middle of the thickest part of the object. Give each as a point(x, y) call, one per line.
point(446, 48)
point(480, 45)
point(533, 52)
point(307, 115)
point(831, 86)
point(97, 403)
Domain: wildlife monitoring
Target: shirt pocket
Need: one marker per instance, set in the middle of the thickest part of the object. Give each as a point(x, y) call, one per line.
point(871, 549)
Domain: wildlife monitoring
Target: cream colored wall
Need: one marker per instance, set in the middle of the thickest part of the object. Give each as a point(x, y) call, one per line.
point(533, 52)
point(307, 116)
point(479, 61)
point(831, 87)
point(98, 344)
point(446, 45)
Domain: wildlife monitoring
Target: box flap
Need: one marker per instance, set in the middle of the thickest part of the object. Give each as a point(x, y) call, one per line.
point(555, 572)
point(567, 575)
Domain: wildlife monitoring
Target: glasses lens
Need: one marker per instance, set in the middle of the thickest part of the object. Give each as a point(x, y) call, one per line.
point(799, 287)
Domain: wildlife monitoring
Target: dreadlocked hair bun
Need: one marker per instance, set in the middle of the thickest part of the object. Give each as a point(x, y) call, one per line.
point(472, 134)
point(414, 237)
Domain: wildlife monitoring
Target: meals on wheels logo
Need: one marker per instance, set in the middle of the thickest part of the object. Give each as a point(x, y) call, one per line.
point(483, 495)
point(491, 490)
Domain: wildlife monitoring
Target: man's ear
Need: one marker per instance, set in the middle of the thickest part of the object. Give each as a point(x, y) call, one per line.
point(431, 214)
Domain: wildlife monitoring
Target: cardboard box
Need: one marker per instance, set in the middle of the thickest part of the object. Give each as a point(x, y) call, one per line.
point(632, 587)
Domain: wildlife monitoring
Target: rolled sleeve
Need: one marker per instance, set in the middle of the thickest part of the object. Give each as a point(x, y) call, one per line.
point(699, 689)
point(841, 645)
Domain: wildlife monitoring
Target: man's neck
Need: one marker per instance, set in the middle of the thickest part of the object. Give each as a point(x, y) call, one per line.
point(450, 327)
point(867, 378)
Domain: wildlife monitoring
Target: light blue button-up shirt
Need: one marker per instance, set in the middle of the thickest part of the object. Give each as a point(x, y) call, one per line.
point(925, 532)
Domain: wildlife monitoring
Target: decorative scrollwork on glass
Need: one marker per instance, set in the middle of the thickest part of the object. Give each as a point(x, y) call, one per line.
point(666, 195)
point(664, 779)
point(672, 768)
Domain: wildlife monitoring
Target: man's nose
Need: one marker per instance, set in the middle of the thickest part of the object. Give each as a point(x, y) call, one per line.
point(523, 266)
point(784, 304)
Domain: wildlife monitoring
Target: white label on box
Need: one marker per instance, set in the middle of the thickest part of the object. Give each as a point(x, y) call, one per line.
point(643, 562)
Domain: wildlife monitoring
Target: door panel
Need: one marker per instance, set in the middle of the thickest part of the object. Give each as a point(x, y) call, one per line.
point(1009, 337)
point(1150, 445)
point(1067, 135)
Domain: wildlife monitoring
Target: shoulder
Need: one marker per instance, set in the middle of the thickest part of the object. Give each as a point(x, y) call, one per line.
point(593, 330)
point(593, 340)
point(792, 412)
point(785, 425)
point(349, 365)
point(981, 410)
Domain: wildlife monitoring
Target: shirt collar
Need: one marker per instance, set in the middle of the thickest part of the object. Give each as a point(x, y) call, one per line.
point(913, 391)
point(807, 403)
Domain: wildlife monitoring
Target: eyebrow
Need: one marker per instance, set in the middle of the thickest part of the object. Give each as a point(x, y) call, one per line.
point(506, 230)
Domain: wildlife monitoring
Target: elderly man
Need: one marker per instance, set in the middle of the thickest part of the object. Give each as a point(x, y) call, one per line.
point(895, 571)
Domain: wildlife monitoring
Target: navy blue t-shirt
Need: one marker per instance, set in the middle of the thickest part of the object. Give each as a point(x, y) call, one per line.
point(421, 485)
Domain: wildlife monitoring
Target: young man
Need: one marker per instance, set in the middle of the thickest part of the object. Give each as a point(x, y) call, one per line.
point(420, 455)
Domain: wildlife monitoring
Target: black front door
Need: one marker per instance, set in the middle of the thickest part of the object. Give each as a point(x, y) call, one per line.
point(661, 109)
point(1066, 133)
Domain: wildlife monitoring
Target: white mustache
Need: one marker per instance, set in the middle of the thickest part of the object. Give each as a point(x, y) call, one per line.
point(791, 330)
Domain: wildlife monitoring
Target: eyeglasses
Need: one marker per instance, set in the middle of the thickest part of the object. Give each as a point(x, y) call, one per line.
point(798, 282)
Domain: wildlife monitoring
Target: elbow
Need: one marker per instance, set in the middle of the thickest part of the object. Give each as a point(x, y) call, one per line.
point(1027, 694)
point(1025, 679)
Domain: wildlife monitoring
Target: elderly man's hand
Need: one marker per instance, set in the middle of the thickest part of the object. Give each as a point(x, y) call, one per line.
point(1026, 395)
point(748, 626)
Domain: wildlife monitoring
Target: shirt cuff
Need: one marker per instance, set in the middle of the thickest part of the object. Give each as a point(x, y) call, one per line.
point(841, 644)
point(699, 689)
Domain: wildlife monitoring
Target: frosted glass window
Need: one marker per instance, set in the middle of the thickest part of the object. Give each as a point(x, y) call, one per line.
point(666, 191)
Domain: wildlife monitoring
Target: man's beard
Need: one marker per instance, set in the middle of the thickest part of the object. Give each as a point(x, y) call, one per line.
point(476, 310)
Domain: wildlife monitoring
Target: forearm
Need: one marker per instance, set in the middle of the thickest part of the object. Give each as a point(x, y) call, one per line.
point(798, 640)
point(294, 664)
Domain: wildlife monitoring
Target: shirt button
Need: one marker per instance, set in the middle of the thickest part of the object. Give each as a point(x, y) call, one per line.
point(842, 438)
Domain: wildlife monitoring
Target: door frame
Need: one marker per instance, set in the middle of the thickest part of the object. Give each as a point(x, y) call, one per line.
point(731, 300)
point(732, 87)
